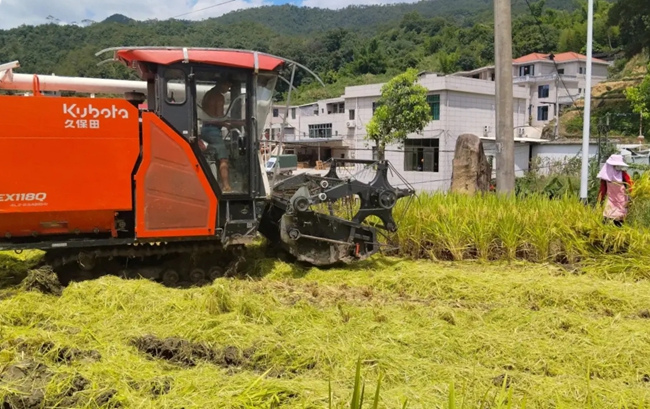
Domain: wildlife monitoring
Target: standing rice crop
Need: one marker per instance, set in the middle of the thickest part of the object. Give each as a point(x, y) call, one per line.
point(491, 227)
point(640, 202)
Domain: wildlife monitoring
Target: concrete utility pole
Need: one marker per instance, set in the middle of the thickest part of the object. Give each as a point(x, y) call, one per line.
point(584, 176)
point(505, 155)
point(557, 107)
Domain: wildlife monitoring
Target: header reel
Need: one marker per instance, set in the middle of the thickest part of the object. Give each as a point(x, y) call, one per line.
point(320, 219)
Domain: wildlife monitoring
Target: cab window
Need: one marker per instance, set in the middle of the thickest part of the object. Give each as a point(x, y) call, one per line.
point(175, 87)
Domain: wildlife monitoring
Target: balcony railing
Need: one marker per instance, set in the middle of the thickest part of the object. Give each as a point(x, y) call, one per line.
point(547, 77)
point(307, 137)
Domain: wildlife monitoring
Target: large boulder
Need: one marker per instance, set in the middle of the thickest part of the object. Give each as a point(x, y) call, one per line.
point(471, 170)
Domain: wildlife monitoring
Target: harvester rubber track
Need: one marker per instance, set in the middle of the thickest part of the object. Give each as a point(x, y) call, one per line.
point(173, 264)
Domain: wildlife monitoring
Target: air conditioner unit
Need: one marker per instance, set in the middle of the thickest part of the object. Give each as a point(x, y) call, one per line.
point(351, 124)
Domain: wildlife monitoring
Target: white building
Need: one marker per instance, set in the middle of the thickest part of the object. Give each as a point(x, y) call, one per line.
point(458, 105)
point(337, 127)
point(315, 132)
point(275, 119)
point(549, 89)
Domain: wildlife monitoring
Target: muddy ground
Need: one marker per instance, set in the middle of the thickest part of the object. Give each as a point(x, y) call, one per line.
point(188, 354)
point(29, 379)
point(43, 280)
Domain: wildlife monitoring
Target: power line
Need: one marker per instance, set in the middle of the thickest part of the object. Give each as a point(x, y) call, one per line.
point(204, 8)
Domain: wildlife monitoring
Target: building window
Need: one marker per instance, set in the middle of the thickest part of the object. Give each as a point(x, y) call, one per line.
point(276, 113)
point(293, 113)
point(543, 91)
point(579, 91)
point(422, 155)
point(526, 70)
point(581, 70)
point(336, 108)
point(542, 113)
point(374, 107)
point(320, 131)
point(332, 109)
point(351, 114)
point(560, 71)
point(434, 104)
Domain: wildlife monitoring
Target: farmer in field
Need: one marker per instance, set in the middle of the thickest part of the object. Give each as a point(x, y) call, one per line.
point(615, 185)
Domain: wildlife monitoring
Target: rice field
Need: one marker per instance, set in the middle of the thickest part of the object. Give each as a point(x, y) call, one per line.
point(480, 333)
point(487, 302)
point(535, 229)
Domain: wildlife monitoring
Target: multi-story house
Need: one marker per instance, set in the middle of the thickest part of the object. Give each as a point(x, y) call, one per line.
point(316, 131)
point(273, 126)
point(460, 103)
point(553, 82)
point(458, 106)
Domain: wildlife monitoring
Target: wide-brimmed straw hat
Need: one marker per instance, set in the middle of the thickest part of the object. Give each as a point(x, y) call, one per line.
point(617, 160)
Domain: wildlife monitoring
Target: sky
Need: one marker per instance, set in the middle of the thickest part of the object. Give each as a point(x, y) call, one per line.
point(14, 13)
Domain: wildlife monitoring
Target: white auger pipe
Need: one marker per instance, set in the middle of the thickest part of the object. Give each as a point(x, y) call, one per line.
point(52, 83)
point(23, 82)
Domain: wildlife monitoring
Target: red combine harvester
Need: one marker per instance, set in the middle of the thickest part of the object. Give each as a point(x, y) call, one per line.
point(173, 188)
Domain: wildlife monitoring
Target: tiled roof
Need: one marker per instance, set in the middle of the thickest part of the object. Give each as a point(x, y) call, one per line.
point(560, 58)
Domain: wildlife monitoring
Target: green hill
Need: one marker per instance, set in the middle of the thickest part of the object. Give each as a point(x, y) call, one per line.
point(291, 20)
point(347, 46)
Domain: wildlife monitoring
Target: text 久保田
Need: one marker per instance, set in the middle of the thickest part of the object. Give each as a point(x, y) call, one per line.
point(82, 124)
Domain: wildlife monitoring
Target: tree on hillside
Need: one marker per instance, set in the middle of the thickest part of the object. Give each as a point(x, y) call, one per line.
point(402, 109)
point(639, 98)
point(369, 59)
point(633, 17)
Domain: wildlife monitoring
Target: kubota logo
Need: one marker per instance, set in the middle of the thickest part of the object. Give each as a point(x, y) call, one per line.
point(23, 197)
point(89, 111)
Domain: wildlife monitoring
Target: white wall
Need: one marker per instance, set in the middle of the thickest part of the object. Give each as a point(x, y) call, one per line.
point(562, 151)
point(522, 152)
point(470, 113)
point(551, 154)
